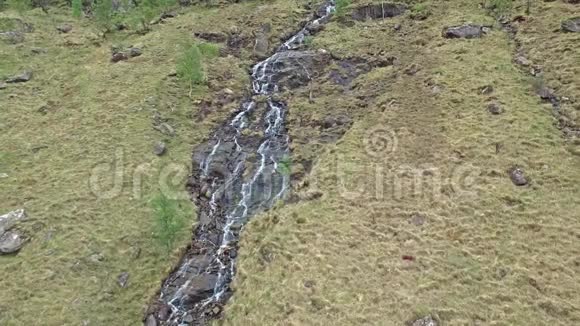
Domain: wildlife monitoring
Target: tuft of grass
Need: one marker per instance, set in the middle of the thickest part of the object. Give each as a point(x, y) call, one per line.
point(190, 68)
point(77, 8)
point(169, 221)
point(341, 7)
point(420, 11)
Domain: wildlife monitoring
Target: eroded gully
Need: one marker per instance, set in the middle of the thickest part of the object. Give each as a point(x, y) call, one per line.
point(238, 173)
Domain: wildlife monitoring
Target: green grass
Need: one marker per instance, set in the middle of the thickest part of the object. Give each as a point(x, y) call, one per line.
point(495, 254)
point(170, 221)
point(97, 115)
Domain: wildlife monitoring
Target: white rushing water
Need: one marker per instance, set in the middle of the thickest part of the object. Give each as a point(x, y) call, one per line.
point(251, 194)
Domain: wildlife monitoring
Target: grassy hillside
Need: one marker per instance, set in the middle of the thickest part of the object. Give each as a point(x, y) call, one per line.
point(402, 204)
point(425, 220)
point(77, 153)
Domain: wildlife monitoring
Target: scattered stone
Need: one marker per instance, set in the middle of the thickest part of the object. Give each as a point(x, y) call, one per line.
point(10, 242)
point(571, 25)
point(425, 321)
point(378, 11)
point(261, 45)
point(3, 85)
point(135, 52)
point(165, 129)
point(97, 258)
point(8, 220)
point(123, 279)
point(20, 78)
point(65, 28)
point(3, 175)
point(465, 31)
point(12, 37)
point(494, 109)
point(518, 177)
point(412, 69)
point(160, 148)
point(522, 61)
point(119, 56)
point(486, 90)
point(38, 50)
point(546, 93)
point(418, 219)
point(172, 73)
point(397, 27)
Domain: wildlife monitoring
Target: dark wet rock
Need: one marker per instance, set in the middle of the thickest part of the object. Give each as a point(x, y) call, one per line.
point(465, 31)
point(150, 321)
point(10, 242)
point(494, 109)
point(571, 25)
point(64, 28)
point(135, 52)
point(425, 321)
point(214, 37)
point(10, 219)
point(201, 287)
point(378, 11)
point(119, 56)
point(160, 148)
point(12, 37)
point(20, 78)
point(123, 279)
point(293, 69)
point(518, 177)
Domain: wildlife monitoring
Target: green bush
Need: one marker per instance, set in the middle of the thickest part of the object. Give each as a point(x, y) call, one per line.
point(170, 221)
point(420, 11)
point(190, 68)
point(341, 6)
point(77, 8)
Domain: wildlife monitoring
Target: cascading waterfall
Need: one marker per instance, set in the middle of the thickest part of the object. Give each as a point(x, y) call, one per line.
point(237, 177)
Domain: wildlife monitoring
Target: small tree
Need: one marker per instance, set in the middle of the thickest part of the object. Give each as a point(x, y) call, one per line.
point(190, 69)
point(169, 221)
point(77, 8)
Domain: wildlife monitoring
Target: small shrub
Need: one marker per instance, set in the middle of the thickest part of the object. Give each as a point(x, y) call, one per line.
point(170, 221)
point(190, 68)
point(420, 11)
point(77, 8)
point(285, 165)
point(341, 7)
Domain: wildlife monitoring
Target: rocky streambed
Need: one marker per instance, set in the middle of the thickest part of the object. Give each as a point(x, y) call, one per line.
point(240, 171)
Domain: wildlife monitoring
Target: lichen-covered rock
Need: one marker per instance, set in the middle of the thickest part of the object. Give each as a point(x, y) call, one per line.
point(10, 242)
point(465, 31)
point(571, 25)
point(8, 220)
point(20, 78)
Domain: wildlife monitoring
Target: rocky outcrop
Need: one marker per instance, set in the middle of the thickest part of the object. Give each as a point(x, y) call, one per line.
point(466, 31)
point(379, 11)
point(571, 25)
point(292, 69)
